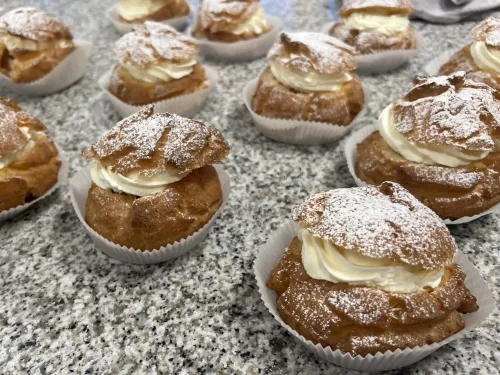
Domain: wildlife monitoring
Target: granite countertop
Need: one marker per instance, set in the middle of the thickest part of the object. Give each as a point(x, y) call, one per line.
point(65, 307)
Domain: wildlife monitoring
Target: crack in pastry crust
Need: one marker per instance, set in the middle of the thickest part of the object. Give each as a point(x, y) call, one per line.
point(363, 320)
point(172, 9)
point(450, 192)
point(153, 221)
point(36, 171)
point(153, 143)
point(217, 18)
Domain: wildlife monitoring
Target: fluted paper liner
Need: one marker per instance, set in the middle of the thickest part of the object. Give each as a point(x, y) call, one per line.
point(62, 178)
point(269, 255)
point(297, 131)
point(125, 27)
point(79, 187)
point(245, 50)
point(351, 157)
point(383, 62)
point(67, 72)
point(433, 66)
point(185, 105)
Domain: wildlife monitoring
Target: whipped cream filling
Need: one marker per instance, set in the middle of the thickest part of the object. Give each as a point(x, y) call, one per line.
point(163, 72)
point(323, 261)
point(308, 82)
point(486, 58)
point(134, 183)
point(31, 135)
point(421, 154)
point(133, 9)
point(13, 42)
point(383, 24)
point(256, 24)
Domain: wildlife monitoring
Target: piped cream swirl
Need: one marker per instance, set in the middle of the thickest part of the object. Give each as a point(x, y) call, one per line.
point(383, 24)
point(257, 24)
point(323, 261)
point(134, 183)
point(421, 154)
point(486, 58)
point(31, 135)
point(308, 82)
point(164, 72)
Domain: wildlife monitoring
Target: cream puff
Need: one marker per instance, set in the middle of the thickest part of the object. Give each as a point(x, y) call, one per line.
point(372, 26)
point(441, 142)
point(230, 21)
point(156, 62)
point(29, 161)
point(153, 179)
point(32, 44)
point(139, 11)
point(310, 77)
point(481, 58)
point(371, 269)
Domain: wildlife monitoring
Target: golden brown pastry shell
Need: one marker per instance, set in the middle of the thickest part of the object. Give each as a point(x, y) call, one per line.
point(373, 320)
point(367, 42)
point(31, 176)
point(129, 90)
point(226, 37)
point(274, 100)
point(150, 222)
point(463, 61)
point(178, 8)
point(29, 66)
point(452, 193)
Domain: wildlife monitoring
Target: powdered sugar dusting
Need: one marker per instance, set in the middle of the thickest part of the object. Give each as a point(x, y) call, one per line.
point(33, 24)
point(449, 111)
point(223, 15)
point(488, 31)
point(306, 50)
point(12, 138)
point(385, 222)
point(152, 43)
point(160, 138)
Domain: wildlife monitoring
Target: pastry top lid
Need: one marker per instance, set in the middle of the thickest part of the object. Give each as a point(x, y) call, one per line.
point(450, 111)
point(12, 118)
point(225, 15)
point(34, 24)
point(307, 51)
point(488, 31)
point(152, 43)
point(150, 143)
point(384, 222)
point(389, 7)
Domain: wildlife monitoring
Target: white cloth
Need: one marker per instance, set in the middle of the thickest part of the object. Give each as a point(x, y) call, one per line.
point(450, 11)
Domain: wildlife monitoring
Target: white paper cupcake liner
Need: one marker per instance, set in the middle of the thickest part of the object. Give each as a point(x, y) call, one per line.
point(79, 187)
point(351, 157)
point(296, 131)
point(383, 62)
point(125, 27)
point(241, 51)
point(62, 178)
point(185, 105)
point(67, 72)
point(433, 66)
point(269, 255)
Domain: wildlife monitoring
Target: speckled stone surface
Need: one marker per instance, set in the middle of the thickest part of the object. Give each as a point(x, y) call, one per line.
point(67, 308)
